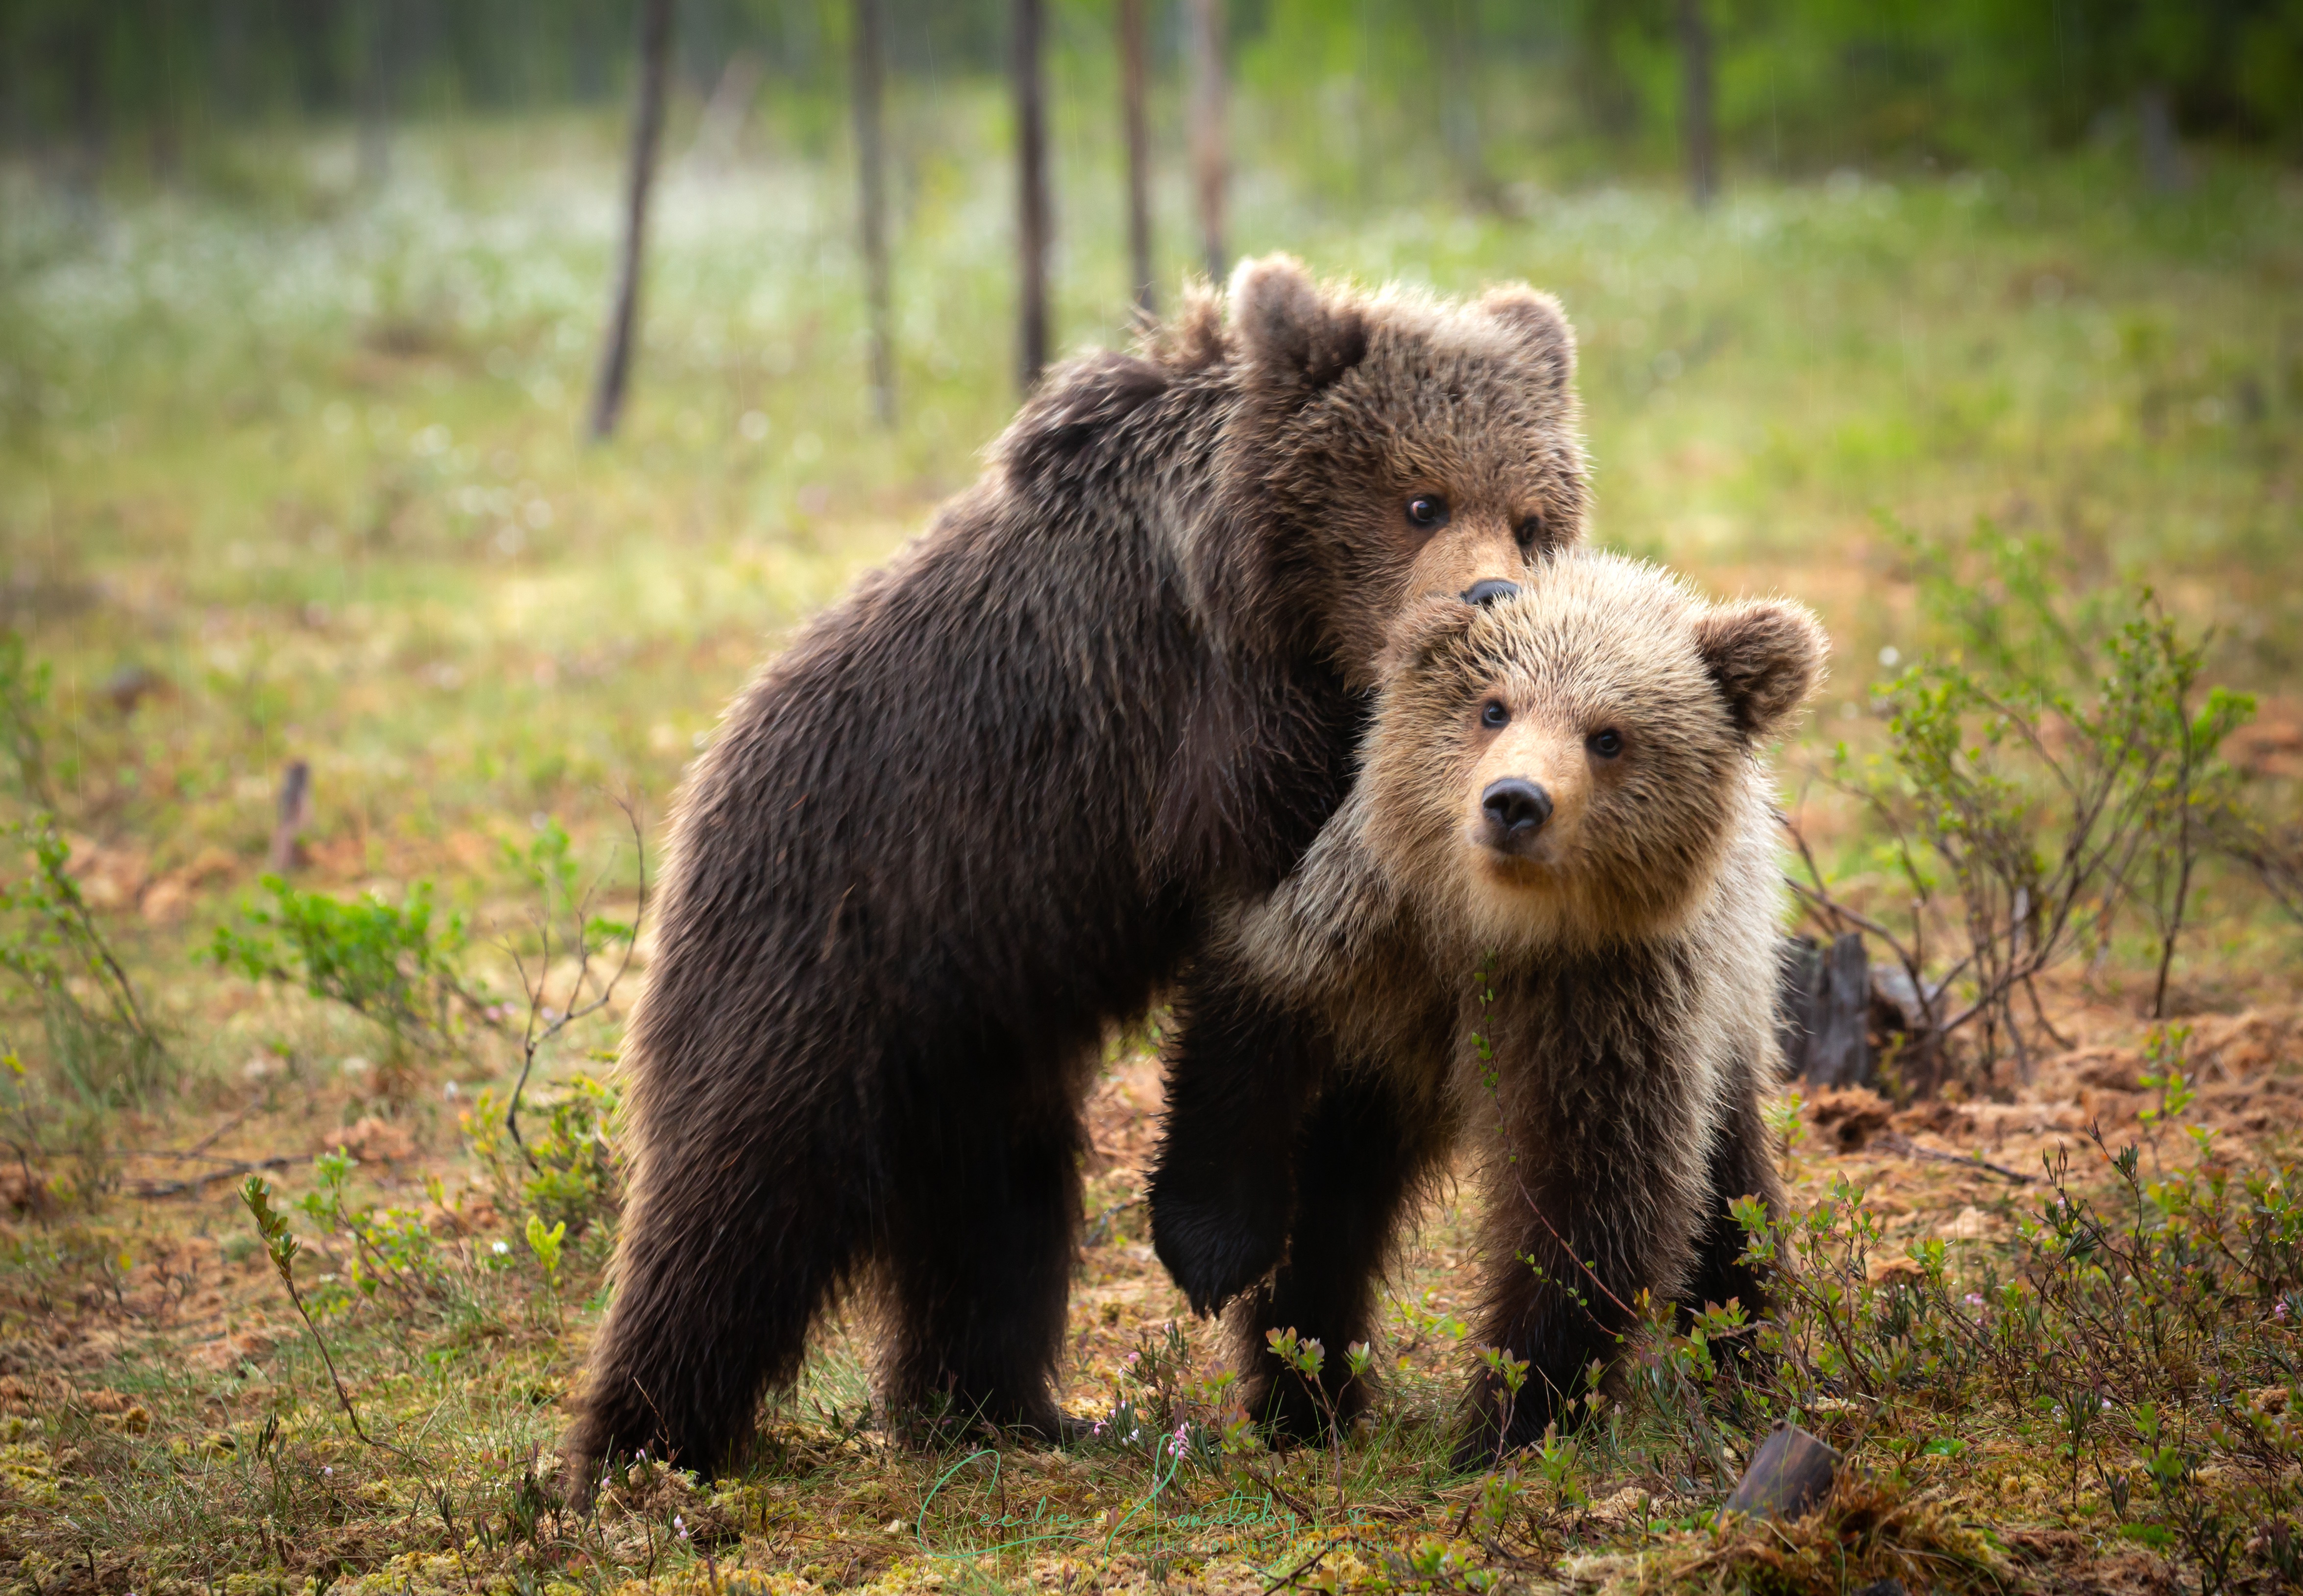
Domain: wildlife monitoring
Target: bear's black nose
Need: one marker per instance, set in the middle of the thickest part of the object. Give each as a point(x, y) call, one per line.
point(1516, 807)
point(1484, 593)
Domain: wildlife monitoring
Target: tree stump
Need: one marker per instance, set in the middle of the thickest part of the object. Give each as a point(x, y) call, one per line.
point(1799, 993)
point(295, 813)
point(1790, 1475)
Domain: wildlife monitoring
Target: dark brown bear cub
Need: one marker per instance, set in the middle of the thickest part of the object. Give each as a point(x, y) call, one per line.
point(1543, 924)
point(980, 809)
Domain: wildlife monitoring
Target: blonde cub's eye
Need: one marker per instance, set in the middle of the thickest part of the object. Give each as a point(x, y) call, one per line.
point(1606, 744)
point(1493, 714)
point(1428, 510)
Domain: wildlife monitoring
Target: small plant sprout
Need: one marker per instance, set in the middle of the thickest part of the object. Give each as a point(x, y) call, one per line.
point(545, 1244)
point(1789, 1125)
point(2165, 1050)
point(1510, 1374)
point(281, 1245)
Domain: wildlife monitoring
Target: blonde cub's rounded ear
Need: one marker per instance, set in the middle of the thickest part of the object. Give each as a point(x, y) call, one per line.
point(1537, 320)
point(1291, 334)
point(1423, 628)
point(1767, 655)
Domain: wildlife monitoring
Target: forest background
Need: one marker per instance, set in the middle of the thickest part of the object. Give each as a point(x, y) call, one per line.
point(352, 662)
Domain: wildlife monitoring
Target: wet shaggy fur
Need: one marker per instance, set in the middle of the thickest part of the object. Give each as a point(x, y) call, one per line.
point(1587, 1001)
point(976, 813)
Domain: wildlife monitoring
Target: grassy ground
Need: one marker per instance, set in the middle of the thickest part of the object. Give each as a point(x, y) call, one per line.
point(295, 475)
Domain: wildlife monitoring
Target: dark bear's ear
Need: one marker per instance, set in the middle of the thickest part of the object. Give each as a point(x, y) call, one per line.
point(1538, 322)
point(1292, 334)
point(1767, 655)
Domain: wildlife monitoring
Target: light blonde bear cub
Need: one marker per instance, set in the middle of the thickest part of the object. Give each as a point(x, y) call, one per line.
point(1563, 790)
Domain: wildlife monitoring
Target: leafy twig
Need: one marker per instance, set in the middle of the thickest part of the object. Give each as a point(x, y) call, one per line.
point(532, 1036)
point(283, 1247)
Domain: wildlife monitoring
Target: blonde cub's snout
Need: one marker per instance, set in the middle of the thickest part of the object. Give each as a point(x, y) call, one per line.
point(1530, 790)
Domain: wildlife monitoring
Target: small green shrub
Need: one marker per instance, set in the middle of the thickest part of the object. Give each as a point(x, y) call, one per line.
point(2051, 775)
point(99, 1035)
point(569, 1174)
point(398, 965)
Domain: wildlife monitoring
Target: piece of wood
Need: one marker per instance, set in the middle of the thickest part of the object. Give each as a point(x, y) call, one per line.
point(1791, 1474)
point(200, 1183)
point(1839, 1039)
point(870, 164)
point(1034, 227)
point(1799, 992)
point(295, 813)
point(648, 134)
point(1203, 21)
point(1139, 153)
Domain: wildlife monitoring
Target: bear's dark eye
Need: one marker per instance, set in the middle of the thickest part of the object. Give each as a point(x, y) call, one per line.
point(1428, 510)
point(1606, 744)
point(1530, 532)
point(1492, 715)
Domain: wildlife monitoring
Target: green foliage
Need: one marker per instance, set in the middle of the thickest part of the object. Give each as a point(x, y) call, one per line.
point(391, 1249)
point(280, 1245)
point(2147, 1335)
point(393, 964)
point(2050, 769)
point(545, 1244)
point(568, 1174)
point(98, 1033)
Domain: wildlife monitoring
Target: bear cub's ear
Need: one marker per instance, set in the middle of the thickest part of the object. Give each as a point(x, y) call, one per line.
point(1767, 655)
point(1537, 321)
point(1292, 335)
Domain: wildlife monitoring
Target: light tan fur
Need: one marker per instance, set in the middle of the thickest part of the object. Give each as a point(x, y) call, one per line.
point(1626, 947)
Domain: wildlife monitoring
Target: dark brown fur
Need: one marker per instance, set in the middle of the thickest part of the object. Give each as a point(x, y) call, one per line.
point(977, 812)
point(1610, 1062)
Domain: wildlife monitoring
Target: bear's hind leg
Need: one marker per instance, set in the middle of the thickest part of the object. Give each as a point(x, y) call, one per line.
point(732, 1242)
point(978, 1255)
point(1361, 1151)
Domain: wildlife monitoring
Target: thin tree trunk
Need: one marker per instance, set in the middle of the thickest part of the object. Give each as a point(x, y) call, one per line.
point(648, 134)
point(1139, 153)
point(1205, 21)
point(1460, 108)
point(1695, 104)
point(375, 94)
point(1033, 225)
point(2163, 167)
point(872, 174)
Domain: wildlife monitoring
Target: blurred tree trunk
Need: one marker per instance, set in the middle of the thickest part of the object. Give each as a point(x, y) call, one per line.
point(1139, 153)
point(1459, 113)
point(1205, 24)
point(1033, 226)
point(85, 70)
point(872, 174)
point(1695, 104)
point(375, 93)
point(2163, 167)
point(648, 134)
point(720, 128)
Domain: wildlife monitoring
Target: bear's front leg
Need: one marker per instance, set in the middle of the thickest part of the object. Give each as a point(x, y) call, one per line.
point(1238, 1070)
point(1743, 1165)
point(1597, 1180)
